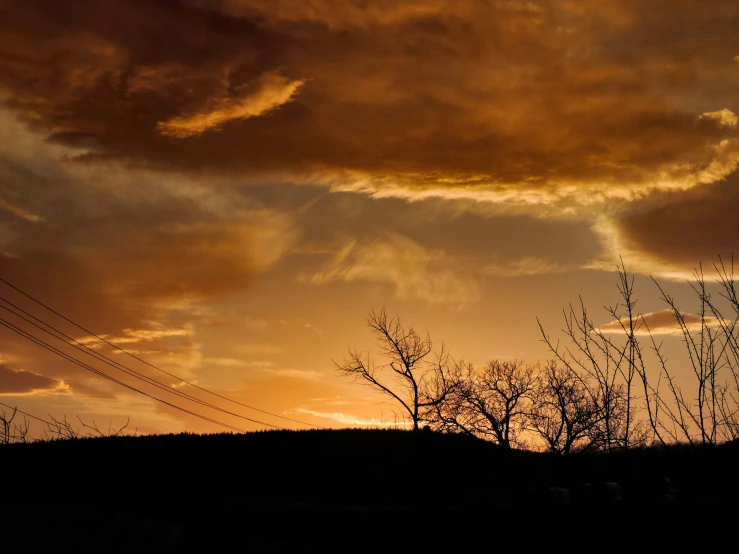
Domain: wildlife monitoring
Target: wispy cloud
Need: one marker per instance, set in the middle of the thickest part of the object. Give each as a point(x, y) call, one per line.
point(133, 336)
point(20, 212)
point(224, 362)
point(273, 91)
point(348, 419)
point(414, 272)
point(289, 373)
point(528, 265)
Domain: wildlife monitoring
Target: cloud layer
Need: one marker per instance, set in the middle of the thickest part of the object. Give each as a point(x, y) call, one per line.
point(508, 99)
point(553, 108)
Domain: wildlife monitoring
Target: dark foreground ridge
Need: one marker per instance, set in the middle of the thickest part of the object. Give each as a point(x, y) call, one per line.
point(348, 491)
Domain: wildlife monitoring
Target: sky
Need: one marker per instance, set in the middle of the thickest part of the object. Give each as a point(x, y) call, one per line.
point(227, 188)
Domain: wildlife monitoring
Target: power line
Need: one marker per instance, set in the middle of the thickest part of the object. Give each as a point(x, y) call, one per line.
point(117, 365)
point(74, 360)
point(90, 333)
point(96, 371)
point(15, 408)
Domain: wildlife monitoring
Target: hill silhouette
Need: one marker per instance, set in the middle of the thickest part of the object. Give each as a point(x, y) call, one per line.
point(348, 490)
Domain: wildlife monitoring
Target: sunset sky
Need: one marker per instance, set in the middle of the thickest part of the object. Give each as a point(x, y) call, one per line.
point(227, 187)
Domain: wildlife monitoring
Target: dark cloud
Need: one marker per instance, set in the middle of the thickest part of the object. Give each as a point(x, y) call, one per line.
point(142, 236)
point(684, 229)
point(456, 95)
point(19, 381)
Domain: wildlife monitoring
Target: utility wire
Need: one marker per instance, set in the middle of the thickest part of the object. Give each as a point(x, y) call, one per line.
point(101, 339)
point(117, 365)
point(15, 408)
point(74, 360)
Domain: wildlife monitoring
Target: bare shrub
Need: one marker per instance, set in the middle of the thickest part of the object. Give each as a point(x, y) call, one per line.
point(11, 429)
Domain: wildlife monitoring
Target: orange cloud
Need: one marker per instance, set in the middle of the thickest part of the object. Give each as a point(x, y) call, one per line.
point(19, 382)
point(273, 92)
point(528, 265)
point(663, 322)
point(724, 117)
point(133, 336)
point(525, 103)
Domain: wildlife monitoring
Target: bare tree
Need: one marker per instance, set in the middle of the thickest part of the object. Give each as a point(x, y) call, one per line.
point(447, 410)
point(595, 363)
point(564, 414)
point(610, 368)
point(702, 408)
point(709, 414)
point(598, 394)
point(497, 399)
point(408, 373)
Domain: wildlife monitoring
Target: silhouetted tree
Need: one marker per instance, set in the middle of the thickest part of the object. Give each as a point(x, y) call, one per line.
point(709, 414)
point(564, 414)
point(444, 407)
point(500, 398)
point(489, 403)
point(597, 366)
point(596, 395)
point(409, 373)
point(451, 414)
point(611, 365)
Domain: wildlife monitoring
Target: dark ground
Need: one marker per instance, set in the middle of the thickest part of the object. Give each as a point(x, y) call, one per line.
point(354, 491)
